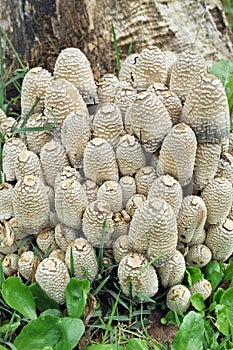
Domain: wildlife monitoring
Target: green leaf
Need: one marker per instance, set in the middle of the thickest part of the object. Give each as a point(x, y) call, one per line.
point(39, 333)
point(136, 344)
point(52, 312)
point(190, 334)
point(72, 331)
point(104, 347)
point(214, 272)
point(76, 296)
point(2, 347)
point(173, 318)
point(217, 295)
point(19, 297)
point(227, 300)
point(42, 300)
point(229, 92)
point(221, 321)
point(228, 272)
point(197, 301)
point(223, 70)
point(2, 277)
point(193, 275)
point(9, 327)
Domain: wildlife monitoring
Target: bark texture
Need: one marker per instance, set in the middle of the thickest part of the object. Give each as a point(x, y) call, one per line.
point(39, 29)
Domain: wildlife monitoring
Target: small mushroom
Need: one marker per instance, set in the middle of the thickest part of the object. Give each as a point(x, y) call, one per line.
point(173, 105)
point(46, 241)
point(53, 276)
point(202, 287)
point(85, 262)
point(127, 66)
point(107, 87)
point(178, 298)
point(10, 264)
point(28, 163)
point(7, 238)
point(6, 205)
point(111, 192)
point(135, 202)
point(172, 272)
point(64, 236)
point(134, 269)
point(27, 265)
point(225, 167)
point(120, 248)
point(57, 253)
point(10, 150)
point(91, 189)
point(128, 187)
point(144, 178)
point(121, 226)
point(37, 139)
point(125, 96)
point(198, 255)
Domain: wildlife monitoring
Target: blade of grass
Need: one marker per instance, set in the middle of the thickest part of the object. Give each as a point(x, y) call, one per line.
point(16, 55)
point(101, 285)
point(108, 328)
point(101, 249)
point(71, 262)
point(116, 49)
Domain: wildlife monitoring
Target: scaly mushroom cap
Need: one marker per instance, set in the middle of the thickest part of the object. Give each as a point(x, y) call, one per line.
point(27, 265)
point(170, 59)
point(225, 167)
point(127, 66)
point(191, 218)
point(206, 110)
point(121, 226)
point(135, 202)
point(64, 236)
point(10, 264)
point(217, 196)
point(46, 240)
point(172, 272)
point(153, 231)
point(31, 204)
point(202, 287)
point(61, 99)
point(187, 70)
point(198, 238)
point(67, 173)
point(198, 255)
point(149, 119)
point(149, 68)
point(37, 139)
point(91, 189)
point(6, 205)
point(219, 239)
point(144, 178)
point(128, 186)
point(206, 164)
point(53, 158)
point(57, 253)
point(124, 97)
point(73, 65)
point(34, 86)
point(70, 202)
point(7, 238)
point(53, 277)
point(111, 192)
point(132, 268)
point(99, 161)
point(93, 220)
point(106, 89)
point(177, 155)
point(178, 298)
point(173, 105)
point(75, 134)
point(120, 248)
point(130, 155)
point(169, 189)
point(6, 126)
point(10, 150)
point(107, 123)
point(28, 163)
point(85, 262)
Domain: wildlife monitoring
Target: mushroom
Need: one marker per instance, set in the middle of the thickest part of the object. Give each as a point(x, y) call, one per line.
point(121, 226)
point(149, 120)
point(46, 241)
point(127, 66)
point(186, 71)
point(10, 264)
point(202, 287)
point(153, 231)
point(96, 214)
point(128, 186)
point(31, 205)
point(28, 163)
point(219, 239)
point(37, 139)
point(136, 275)
point(7, 238)
point(64, 236)
point(6, 205)
point(170, 59)
point(91, 189)
point(206, 164)
point(177, 154)
point(75, 134)
point(129, 154)
point(111, 192)
point(73, 65)
point(99, 161)
point(106, 90)
point(57, 253)
point(169, 189)
point(225, 166)
point(217, 196)
point(52, 275)
point(178, 298)
point(120, 248)
point(172, 103)
point(7, 126)
point(10, 150)
point(125, 96)
point(27, 265)
point(206, 110)
point(135, 202)
point(191, 218)
point(198, 255)
point(84, 258)
point(144, 178)
point(172, 272)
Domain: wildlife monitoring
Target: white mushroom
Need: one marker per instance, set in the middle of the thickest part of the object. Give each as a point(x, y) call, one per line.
point(127, 66)
point(64, 236)
point(198, 255)
point(128, 187)
point(91, 189)
point(46, 240)
point(37, 139)
point(144, 178)
point(7, 238)
point(27, 265)
point(178, 298)
point(202, 287)
point(135, 202)
point(10, 264)
point(6, 205)
point(10, 150)
point(28, 163)
point(120, 248)
point(125, 96)
point(111, 192)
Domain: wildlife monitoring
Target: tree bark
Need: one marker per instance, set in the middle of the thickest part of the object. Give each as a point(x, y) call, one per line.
point(39, 29)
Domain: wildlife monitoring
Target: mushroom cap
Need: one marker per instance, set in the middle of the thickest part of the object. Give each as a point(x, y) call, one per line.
point(135, 268)
point(206, 163)
point(198, 255)
point(99, 162)
point(75, 134)
point(217, 196)
point(128, 186)
point(125, 96)
point(172, 272)
point(135, 202)
point(106, 89)
point(177, 154)
point(57, 253)
point(53, 276)
point(144, 178)
point(206, 110)
point(111, 192)
point(173, 105)
point(153, 231)
point(121, 226)
point(37, 139)
point(219, 239)
point(28, 163)
point(91, 189)
point(225, 166)
point(64, 235)
point(6, 197)
point(46, 240)
point(10, 264)
point(178, 298)
point(120, 248)
point(127, 66)
point(10, 150)
point(85, 262)
point(130, 155)
point(202, 287)
point(26, 264)
point(149, 120)
point(191, 218)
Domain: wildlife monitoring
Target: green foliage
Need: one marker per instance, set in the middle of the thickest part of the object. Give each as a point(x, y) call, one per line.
point(193, 274)
point(116, 49)
point(228, 8)
point(76, 296)
point(42, 300)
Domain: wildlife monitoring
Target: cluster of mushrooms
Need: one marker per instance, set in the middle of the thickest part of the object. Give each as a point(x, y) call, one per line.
point(148, 156)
